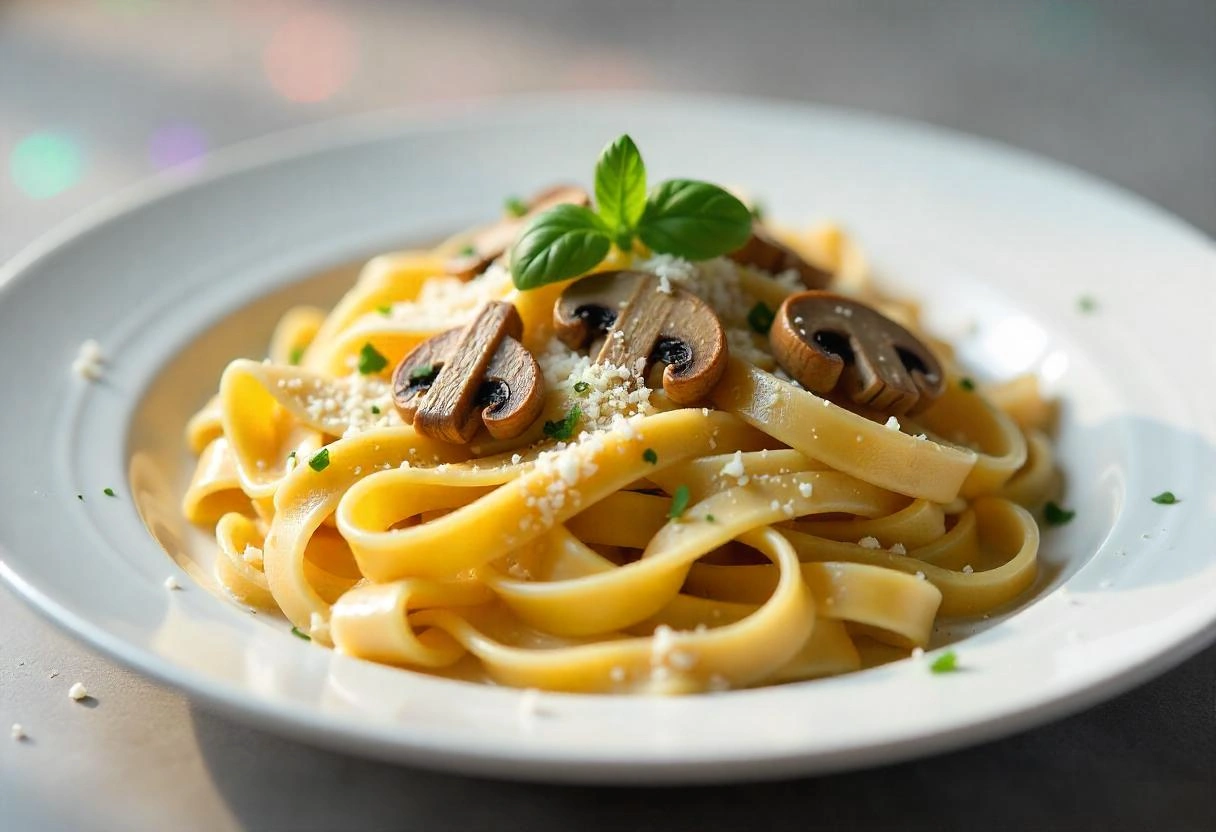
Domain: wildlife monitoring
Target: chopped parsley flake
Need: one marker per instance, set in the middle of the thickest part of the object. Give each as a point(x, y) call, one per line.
point(109, 492)
point(320, 460)
point(1165, 498)
point(468, 250)
point(760, 318)
point(1087, 304)
point(298, 633)
point(679, 502)
point(581, 387)
point(1057, 516)
point(966, 383)
point(291, 455)
point(385, 309)
point(945, 663)
point(515, 206)
point(419, 373)
point(371, 361)
point(563, 429)
point(709, 518)
point(650, 456)
point(80, 497)
point(295, 356)
point(375, 410)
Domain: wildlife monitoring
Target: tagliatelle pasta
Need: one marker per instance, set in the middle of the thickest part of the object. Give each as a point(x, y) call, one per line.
point(765, 535)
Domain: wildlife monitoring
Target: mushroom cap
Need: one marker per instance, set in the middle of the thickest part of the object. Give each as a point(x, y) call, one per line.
point(834, 344)
point(644, 320)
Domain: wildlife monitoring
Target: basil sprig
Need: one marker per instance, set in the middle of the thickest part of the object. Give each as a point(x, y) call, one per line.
point(685, 217)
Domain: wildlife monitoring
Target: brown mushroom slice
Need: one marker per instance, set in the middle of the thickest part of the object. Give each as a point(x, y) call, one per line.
point(642, 320)
point(763, 251)
point(456, 381)
point(491, 242)
point(833, 344)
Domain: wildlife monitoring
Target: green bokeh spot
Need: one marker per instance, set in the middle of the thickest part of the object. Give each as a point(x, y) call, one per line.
point(45, 164)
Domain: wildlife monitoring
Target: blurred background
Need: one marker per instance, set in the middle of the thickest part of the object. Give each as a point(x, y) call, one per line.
point(97, 94)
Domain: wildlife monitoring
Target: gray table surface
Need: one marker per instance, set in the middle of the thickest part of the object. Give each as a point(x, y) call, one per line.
point(1125, 90)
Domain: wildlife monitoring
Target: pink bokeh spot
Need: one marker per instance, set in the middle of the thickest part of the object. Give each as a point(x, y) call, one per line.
point(310, 57)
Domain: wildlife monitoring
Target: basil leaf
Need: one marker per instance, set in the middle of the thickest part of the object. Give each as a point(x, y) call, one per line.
point(563, 242)
point(695, 220)
point(620, 186)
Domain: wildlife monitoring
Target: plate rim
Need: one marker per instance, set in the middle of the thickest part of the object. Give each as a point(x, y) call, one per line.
point(315, 138)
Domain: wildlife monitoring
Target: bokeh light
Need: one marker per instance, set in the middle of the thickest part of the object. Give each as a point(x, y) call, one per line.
point(178, 146)
point(45, 164)
point(310, 57)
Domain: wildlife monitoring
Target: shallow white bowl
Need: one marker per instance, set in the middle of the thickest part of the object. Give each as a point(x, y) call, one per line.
point(177, 278)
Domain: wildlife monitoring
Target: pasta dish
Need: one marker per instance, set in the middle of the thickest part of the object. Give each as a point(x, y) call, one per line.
point(624, 441)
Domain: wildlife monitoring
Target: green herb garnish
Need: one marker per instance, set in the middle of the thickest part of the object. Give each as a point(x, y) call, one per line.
point(514, 206)
point(298, 633)
point(684, 217)
point(563, 429)
point(109, 492)
point(1057, 516)
point(370, 360)
point(945, 663)
point(80, 497)
point(1087, 304)
point(757, 211)
point(291, 455)
point(650, 456)
point(385, 309)
point(375, 410)
point(1165, 498)
point(581, 387)
point(468, 250)
point(760, 318)
point(679, 502)
point(295, 356)
point(419, 373)
point(966, 383)
point(709, 518)
point(320, 460)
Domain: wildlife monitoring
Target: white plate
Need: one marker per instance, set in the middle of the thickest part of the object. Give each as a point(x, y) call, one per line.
point(999, 246)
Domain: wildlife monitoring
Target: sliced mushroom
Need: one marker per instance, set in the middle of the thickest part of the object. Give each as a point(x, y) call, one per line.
point(476, 374)
point(491, 242)
point(643, 320)
point(764, 251)
point(835, 345)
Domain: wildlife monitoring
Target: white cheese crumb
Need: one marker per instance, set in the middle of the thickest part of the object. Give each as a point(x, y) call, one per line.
point(869, 543)
point(18, 732)
point(77, 691)
point(665, 284)
point(921, 575)
point(529, 704)
point(806, 489)
point(617, 674)
point(172, 584)
point(788, 509)
point(89, 360)
point(252, 556)
point(918, 652)
point(682, 659)
point(516, 459)
point(892, 424)
point(967, 570)
point(898, 549)
point(920, 436)
point(734, 468)
point(775, 505)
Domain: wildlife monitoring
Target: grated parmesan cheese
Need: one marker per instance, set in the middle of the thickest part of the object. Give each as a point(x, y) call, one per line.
point(346, 406)
point(892, 424)
point(18, 732)
point(869, 543)
point(172, 584)
point(898, 549)
point(89, 361)
point(78, 692)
